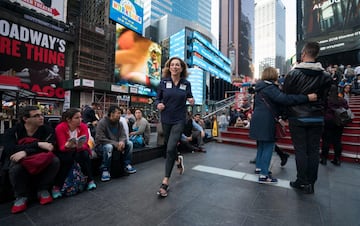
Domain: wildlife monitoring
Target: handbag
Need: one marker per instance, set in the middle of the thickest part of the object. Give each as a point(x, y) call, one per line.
point(75, 181)
point(35, 163)
point(137, 140)
point(343, 116)
point(280, 129)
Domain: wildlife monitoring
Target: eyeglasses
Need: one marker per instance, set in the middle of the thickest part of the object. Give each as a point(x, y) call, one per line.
point(36, 116)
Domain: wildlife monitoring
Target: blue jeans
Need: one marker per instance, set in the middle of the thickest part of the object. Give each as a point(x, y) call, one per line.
point(263, 155)
point(107, 150)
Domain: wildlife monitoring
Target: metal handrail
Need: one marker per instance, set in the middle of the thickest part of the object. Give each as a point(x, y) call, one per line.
point(232, 101)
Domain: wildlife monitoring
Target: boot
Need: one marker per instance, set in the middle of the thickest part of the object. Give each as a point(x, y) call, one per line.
point(284, 157)
point(323, 160)
point(336, 162)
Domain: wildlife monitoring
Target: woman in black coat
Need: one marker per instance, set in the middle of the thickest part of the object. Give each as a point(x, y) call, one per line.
point(262, 126)
point(332, 131)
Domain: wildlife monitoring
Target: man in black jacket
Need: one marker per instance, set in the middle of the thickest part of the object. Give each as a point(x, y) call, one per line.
point(27, 138)
point(89, 117)
point(306, 120)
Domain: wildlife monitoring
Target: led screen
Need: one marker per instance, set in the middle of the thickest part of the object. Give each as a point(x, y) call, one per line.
point(137, 61)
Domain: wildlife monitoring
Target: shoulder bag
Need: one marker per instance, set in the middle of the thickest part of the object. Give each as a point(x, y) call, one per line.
point(280, 130)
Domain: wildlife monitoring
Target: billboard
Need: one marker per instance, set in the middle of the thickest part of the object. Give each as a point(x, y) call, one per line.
point(335, 24)
point(128, 13)
point(196, 78)
point(137, 61)
point(177, 45)
point(36, 57)
point(54, 8)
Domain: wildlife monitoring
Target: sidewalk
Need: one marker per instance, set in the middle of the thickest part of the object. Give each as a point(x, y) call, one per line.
point(217, 188)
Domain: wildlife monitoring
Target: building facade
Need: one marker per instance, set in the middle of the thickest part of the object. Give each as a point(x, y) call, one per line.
point(209, 69)
point(270, 36)
point(194, 11)
point(189, 22)
point(37, 49)
point(236, 36)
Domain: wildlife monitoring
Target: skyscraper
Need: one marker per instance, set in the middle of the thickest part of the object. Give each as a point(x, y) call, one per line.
point(198, 11)
point(236, 35)
point(163, 18)
point(270, 44)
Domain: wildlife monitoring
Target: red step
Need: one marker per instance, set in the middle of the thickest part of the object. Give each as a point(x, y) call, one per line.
point(350, 141)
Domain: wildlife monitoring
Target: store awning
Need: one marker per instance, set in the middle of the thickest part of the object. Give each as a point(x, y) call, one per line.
point(9, 93)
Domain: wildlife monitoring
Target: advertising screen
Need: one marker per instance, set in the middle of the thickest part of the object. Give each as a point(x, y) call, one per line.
point(36, 57)
point(53, 8)
point(177, 45)
point(128, 13)
point(137, 61)
point(196, 78)
point(335, 24)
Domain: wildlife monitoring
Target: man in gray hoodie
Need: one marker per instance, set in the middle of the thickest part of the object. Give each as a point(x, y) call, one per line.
point(111, 137)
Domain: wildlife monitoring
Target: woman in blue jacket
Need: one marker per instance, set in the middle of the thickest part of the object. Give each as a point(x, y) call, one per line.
point(262, 126)
point(173, 92)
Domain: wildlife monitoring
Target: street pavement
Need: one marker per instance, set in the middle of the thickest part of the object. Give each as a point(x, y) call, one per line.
point(217, 188)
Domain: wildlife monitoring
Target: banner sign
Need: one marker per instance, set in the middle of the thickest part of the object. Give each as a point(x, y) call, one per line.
point(128, 13)
point(53, 8)
point(37, 58)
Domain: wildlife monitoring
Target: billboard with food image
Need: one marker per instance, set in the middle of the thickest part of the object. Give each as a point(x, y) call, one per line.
point(137, 61)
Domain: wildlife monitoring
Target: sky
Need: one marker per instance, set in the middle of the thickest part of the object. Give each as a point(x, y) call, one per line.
point(290, 6)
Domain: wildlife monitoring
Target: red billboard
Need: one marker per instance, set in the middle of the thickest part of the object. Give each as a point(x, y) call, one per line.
point(36, 57)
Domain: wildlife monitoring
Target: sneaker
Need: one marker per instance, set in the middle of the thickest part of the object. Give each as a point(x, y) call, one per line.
point(258, 170)
point(56, 192)
point(91, 185)
point(267, 180)
point(44, 197)
point(105, 176)
point(180, 164)
point(130, 169)
point(284, 159)
point(19, 205)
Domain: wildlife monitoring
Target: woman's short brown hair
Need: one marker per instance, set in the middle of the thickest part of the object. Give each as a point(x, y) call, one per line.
point(270, 74)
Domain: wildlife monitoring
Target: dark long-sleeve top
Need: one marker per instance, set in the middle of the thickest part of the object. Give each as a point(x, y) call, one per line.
point(262, 125)
point(44, 134)
point(62, 132)
point(174, 98)
point(306, 78)
point(89, 115)
point(108, 132)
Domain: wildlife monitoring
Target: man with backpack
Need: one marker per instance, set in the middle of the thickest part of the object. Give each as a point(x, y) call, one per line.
point(30, 139)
